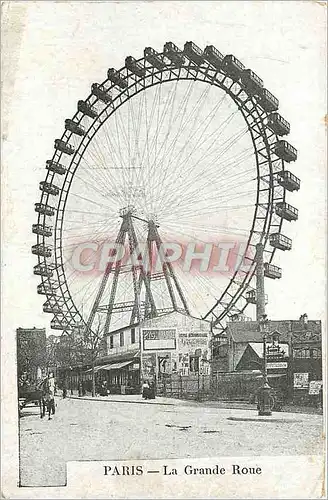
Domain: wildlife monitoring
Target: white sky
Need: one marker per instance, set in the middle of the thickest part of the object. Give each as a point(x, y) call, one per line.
point(67, 46)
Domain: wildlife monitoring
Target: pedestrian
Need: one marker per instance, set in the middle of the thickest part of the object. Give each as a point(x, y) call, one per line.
point(80, 388)
point(104, 389)
point(64, 388)
point(152, 390)
point(145, 390)
point(51, 387)
point(48, 396)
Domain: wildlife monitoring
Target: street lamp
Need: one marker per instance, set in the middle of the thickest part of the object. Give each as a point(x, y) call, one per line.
point(264, 331)
point(264, 395)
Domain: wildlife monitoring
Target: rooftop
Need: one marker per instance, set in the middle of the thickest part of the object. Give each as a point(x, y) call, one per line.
point(248, 331)
point(156, 318)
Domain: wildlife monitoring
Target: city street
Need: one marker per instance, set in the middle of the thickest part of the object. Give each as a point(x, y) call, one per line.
point(118, 430)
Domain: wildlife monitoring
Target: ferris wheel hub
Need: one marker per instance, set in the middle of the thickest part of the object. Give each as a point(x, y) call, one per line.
point(128, 210)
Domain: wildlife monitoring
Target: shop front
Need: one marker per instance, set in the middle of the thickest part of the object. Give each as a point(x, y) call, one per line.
point(123, 377)
point(117, 374)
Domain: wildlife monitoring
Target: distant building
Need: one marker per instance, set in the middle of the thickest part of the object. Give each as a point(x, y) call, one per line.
point(31, 352)
point(299, 362)
point(153, 349)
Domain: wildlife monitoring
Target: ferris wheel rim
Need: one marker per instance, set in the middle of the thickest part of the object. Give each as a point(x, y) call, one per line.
point(67, 135)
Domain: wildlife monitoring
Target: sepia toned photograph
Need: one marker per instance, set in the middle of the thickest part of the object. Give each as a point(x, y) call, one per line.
point(164, 242)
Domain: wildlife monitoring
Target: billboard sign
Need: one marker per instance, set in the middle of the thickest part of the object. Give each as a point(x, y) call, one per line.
point(301, 380)
point(159, 339)
point(184, 364)
point(314, 388)
point(278, 364)
point(149, 365)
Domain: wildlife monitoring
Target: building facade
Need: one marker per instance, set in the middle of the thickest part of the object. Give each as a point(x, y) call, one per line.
point(174, 343)
point(31, 352)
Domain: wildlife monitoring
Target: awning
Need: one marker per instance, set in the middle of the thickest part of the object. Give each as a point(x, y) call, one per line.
point(273, 375)
point(115, 366)
point(97, 368)
point(112, 366)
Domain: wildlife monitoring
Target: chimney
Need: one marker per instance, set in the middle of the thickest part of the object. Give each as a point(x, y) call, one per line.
point(304, 319)
point(260, 295)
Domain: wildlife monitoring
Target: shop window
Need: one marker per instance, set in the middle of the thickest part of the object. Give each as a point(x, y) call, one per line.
point(194, 364)
point(111, 341)
point(121, 339)
point(133, 335)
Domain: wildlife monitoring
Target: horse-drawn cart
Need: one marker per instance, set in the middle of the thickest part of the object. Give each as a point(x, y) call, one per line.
point(29, 394)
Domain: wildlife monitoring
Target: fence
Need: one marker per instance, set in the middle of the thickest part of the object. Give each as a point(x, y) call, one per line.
point(218, 386)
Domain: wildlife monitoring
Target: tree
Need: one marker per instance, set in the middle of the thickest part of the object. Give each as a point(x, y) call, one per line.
point(51, 352)
point(92, 340)
point(80, 347)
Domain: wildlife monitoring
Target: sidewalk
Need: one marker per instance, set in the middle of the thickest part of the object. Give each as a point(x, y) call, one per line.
point(127, 398)
point(165, 401)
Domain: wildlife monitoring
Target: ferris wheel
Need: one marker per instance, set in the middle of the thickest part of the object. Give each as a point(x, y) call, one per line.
point(178, 147)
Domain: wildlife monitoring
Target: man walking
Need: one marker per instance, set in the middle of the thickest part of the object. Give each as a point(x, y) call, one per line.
point(51, 388)
point(64, 388)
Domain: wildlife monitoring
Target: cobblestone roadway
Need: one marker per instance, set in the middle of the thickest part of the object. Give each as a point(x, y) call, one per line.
point(102, 430)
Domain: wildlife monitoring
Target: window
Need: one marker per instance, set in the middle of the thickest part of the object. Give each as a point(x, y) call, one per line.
point(111, 342)
point(121, 339)
point(133, 335)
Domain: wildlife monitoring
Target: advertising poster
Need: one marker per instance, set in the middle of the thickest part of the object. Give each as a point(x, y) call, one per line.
point(301, 380)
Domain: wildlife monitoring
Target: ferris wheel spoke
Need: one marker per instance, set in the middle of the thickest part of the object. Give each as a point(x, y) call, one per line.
point(220, 128)
point(190, 171)
point(77, 223)
point(166, 163)
point(66, 246)
point(157, 146)
point(216, 185)
point(165, 142)
point(224, 147)
point(197, 287)
point(167, 109)
point(97, 153)
point(205, 176)
point(93, 187)
point(103, 175)
point(87, 237)
point(208, 118)
point(89, 200)
point(211, 209)
point(146, 151)
point(192, 193)
point(196, 224)
point(183, 108)
point(218, 155)
point(230, 182)
point(113, 166)
point(128, 173)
